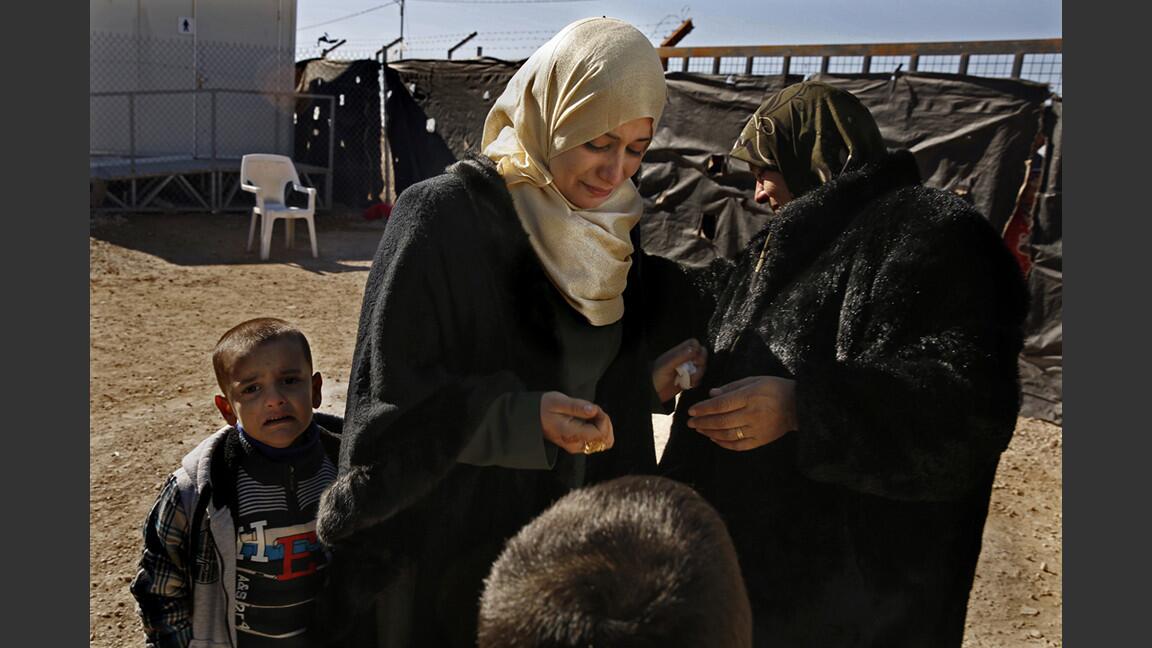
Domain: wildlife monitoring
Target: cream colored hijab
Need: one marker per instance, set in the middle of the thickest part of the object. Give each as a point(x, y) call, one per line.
point(594, 75)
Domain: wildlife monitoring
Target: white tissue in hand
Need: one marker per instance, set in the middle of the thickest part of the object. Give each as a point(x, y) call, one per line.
point(684, 374)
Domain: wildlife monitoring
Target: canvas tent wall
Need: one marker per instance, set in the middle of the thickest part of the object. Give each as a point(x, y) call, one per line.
point(443, 105)
point(354, 144)
point(1041, 366)
point(970, 135)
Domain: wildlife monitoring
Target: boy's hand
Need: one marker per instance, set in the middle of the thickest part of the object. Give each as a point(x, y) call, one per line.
point(575, 425)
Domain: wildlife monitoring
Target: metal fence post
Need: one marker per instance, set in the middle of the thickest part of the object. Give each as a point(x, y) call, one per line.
point(132, 143)
point(1017, 65)
point(214, 184)
point(276, 135)
point(331, 145)
point(385, 153)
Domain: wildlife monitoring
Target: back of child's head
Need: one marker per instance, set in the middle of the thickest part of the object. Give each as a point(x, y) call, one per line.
point(638, 561)
point(241, 339)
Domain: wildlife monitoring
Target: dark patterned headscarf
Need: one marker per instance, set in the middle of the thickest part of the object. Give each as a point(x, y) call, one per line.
point(810, 132)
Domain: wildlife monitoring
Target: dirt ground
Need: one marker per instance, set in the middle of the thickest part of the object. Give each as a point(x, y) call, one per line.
point(164, 287)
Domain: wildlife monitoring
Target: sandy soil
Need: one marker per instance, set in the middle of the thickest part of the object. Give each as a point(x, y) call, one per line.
point(164, 287)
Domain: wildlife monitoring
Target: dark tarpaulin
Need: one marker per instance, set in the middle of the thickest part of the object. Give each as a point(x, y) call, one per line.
point(1041, 363)
point(971, 135)
point(356, 168)
point(417, 152)
point(457, 94)
point(696, 207)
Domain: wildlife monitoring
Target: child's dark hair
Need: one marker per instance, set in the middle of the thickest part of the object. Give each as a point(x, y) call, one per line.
point(639, 561)
point(241, 339)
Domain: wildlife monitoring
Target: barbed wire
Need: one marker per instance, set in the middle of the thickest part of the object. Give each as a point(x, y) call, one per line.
point(524, 33)
point(487, 48)
point(530, 39)
point(484, 2)
point(351, 15)
point(343, 54)
point(683, 15)
point(393, 2)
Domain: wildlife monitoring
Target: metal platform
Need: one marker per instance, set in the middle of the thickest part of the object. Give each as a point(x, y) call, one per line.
point(180, 183)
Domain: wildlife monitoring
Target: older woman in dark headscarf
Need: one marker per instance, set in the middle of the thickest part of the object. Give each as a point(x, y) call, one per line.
point(861, 387)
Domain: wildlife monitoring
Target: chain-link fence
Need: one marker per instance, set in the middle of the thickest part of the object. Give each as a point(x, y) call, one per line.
point(1042, 67)
point(181, 149)
point(170, 118)
point(123, 62)
point(1035, 60)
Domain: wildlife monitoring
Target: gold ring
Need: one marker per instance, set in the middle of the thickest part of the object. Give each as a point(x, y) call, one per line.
point(594, 446)
point(740, 433)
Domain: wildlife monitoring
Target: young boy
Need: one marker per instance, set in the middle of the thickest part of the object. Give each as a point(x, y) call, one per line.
point(638, 561)
point(230, 550)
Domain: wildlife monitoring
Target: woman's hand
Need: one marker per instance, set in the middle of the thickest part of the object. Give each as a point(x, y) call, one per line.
point(574, 424)
point(664, 369)
point(747, 413)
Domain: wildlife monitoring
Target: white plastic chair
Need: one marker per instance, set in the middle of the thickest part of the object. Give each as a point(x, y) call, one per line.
point(266, 176)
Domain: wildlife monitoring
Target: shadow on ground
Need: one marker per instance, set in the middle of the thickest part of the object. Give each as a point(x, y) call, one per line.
point(345, 243)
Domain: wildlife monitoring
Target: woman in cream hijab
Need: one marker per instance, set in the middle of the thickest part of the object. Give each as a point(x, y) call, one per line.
point(504, 354)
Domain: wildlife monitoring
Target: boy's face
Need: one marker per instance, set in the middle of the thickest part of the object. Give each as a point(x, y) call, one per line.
point(272, 392)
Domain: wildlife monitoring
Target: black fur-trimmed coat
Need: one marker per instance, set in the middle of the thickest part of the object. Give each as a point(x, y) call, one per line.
point(455, 313)
point(898, 311)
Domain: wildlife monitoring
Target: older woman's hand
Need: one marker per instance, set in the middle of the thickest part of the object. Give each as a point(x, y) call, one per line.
point(664, 369)
point(575, 425)
point(747, 413)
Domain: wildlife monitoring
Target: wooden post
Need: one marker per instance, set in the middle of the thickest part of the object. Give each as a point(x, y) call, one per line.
point(675, 37)
point(1017, 65)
